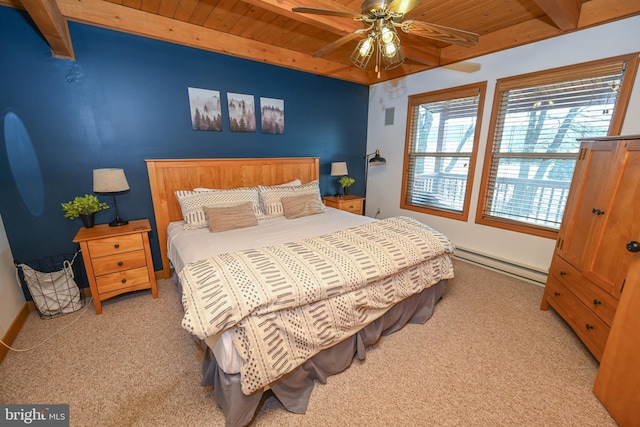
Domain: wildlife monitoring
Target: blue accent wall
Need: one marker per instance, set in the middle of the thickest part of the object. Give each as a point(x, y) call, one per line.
point(125, 99)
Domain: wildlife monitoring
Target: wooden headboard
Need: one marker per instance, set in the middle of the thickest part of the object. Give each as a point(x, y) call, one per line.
point(168, 176)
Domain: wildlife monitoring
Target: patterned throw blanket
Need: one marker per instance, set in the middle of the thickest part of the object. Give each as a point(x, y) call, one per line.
point(290, 301)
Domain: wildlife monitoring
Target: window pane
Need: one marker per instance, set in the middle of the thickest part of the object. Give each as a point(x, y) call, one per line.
point(532, 190)
point(439, 182)
point(441, 138)
point(534, 146)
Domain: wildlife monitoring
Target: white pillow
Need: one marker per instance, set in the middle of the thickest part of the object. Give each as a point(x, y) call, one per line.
point(294, 183)
point(192, 203)
point(271, 197)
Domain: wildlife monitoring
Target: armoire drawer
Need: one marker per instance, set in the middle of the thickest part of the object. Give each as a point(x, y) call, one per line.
point(587, 325)
point(591, 295)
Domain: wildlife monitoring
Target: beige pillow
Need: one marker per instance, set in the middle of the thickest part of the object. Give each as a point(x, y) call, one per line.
point(230, 217)
point(271, 197)
point(193, 203)
point(303, 205)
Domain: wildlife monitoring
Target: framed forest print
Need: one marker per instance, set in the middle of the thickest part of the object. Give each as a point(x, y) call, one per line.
point(272, 115)
point(242, 112)
point(206, 113)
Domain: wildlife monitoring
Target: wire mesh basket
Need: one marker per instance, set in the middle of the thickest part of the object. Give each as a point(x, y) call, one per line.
point(54, 283)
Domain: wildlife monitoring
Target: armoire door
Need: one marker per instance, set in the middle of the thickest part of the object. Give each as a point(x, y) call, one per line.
point(618, 381)
point(593, 168)
point(607, 259)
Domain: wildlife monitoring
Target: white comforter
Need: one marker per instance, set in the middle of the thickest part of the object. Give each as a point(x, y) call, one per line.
point(287, 302)
point(186, 246)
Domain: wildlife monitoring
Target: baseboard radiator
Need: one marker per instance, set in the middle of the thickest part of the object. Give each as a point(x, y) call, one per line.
point(530, 274)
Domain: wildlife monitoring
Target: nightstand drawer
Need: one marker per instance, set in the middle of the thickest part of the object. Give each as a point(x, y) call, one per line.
point(118, 262)
point(122, 280)
point(115, 245)
point(353, 206)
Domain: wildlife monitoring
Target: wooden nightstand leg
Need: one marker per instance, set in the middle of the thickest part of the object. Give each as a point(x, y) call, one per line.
point(84, 250)
point(98, 305)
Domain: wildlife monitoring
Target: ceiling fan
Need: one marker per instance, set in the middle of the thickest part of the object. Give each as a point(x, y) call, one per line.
point(382, 18)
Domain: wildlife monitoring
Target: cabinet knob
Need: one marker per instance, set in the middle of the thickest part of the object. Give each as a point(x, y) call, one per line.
point(556, 293)
point(563, 273)
point(588, 326)
point(117, 245)
point(597, 302)
point(120, 263)
point(633, 246)
point(124, 280)
point(597, 211)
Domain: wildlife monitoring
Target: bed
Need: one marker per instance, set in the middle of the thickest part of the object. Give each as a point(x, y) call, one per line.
point(293, 297)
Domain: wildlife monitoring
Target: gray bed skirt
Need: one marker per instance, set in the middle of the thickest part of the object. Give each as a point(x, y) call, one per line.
point(294, 389)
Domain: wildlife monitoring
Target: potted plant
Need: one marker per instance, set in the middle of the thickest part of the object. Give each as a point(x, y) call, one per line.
point(346, 182)
point(84, 207)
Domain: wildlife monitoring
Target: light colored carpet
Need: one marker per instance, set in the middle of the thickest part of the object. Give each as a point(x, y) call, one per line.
point(488, 357)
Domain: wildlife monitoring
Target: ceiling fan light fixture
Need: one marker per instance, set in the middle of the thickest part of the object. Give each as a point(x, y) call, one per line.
point(363, 52)
point(382, 18)
point(365, 48)
point(387, 35)
point(389, 48)
point(388, 42)
point(391, 62)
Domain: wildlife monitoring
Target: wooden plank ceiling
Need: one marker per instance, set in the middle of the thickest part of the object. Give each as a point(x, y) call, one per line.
point(269, 31)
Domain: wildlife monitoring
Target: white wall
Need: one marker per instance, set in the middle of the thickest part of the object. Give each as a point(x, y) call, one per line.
point(11, 296)
point(384, 183)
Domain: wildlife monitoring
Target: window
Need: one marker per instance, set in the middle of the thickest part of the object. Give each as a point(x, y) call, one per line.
point(532, 147)
point(440, 150)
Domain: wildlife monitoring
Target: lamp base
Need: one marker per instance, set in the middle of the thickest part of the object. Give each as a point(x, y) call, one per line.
point(118, 222)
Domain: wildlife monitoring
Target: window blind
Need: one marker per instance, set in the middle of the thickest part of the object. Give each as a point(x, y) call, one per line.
point(534, 149)
point(441, 141)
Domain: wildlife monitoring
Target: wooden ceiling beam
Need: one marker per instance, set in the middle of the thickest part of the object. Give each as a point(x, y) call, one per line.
point(594, 12)
point(12, 3)
point(563, 13)
point(119, 18)
point(340, 26)
point(54, 28)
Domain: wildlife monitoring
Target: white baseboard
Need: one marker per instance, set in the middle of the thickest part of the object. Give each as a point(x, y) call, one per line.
point(523, 272)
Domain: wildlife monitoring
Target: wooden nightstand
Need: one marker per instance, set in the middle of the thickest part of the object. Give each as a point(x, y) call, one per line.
point(353, 204)
point(117, 260)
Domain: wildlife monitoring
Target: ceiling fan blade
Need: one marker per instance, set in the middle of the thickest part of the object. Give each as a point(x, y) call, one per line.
point(336, 44)
point(403, 6)
point(440, 32)
point(463, 66)
point(331, 12)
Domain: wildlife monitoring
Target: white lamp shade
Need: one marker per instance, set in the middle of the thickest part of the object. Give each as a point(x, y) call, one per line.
point(109, 181)
point(339, 169)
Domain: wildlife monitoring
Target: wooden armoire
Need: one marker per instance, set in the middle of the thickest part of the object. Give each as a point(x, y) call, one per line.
point(596, 268)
